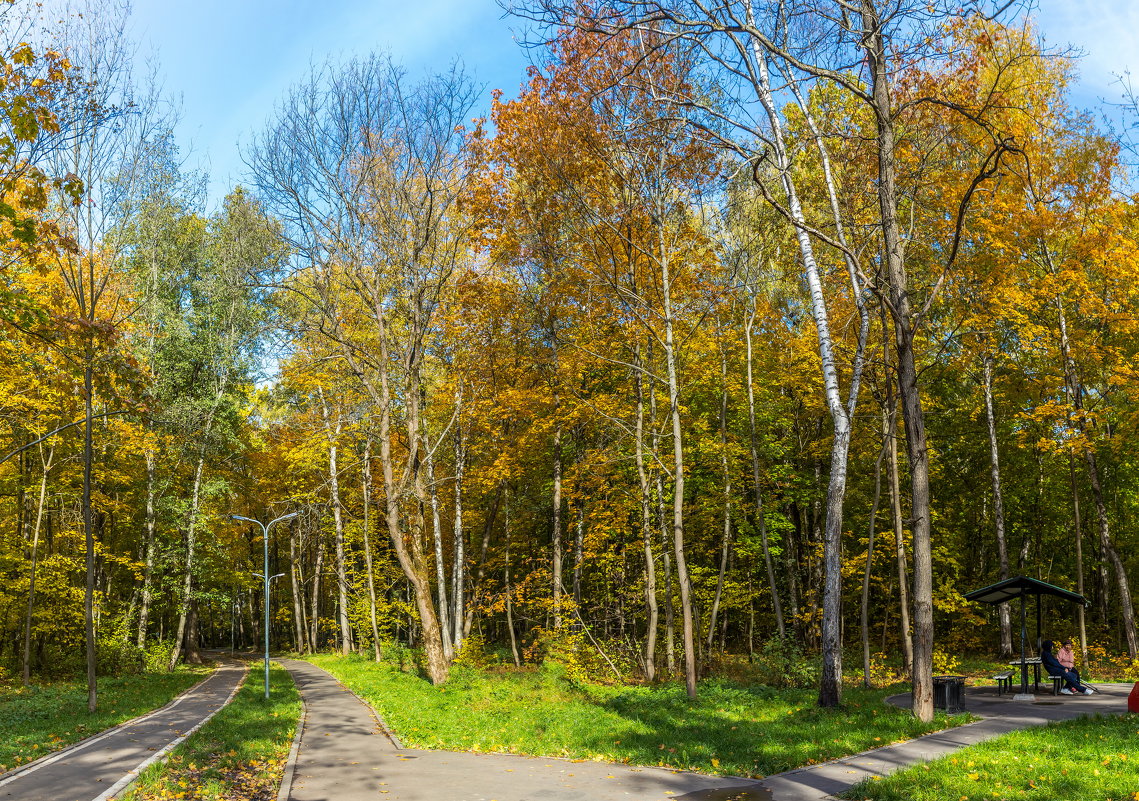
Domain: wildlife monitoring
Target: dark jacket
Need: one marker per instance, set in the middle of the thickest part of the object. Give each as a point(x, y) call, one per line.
point(1050, 663)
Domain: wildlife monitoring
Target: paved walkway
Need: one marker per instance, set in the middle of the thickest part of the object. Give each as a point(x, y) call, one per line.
point(99, 767)
point(1000, 715)
point(345, 755)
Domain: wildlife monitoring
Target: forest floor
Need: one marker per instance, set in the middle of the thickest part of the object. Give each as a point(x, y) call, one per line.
point(48, 716)
point(730, 729)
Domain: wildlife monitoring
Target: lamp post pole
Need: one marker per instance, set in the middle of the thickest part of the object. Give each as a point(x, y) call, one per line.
point(265, 536)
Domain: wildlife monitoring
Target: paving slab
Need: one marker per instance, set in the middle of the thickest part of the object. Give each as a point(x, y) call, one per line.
point(345, 754)
point(99, 767)
point(1000, 715)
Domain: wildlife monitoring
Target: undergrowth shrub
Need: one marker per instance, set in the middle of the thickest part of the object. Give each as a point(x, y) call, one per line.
point(780, 662)
point(115, 657)
point(945, 662)
point(156, 656)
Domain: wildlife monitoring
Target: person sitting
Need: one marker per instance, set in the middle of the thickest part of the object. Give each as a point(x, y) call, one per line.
point(1065, 656)
point(1049, 662)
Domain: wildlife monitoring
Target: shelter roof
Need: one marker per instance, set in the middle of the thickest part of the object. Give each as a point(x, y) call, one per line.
point(1020, 586)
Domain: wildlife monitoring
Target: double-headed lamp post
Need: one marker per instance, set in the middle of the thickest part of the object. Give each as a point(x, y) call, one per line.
point(265, 531)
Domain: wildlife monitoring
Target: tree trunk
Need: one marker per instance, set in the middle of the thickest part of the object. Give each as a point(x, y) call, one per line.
point(556, 527)
point(89, 531)
point(759, 515)
point(409, 549)
point(509, 592)
point(1107, 547)
point(367, 493)
point(887, 437)
point(192, 645)
point(727, 501)
point(148, 566)
point(646, 530)
point(298, 602)
point(480, 572)
point(830, 684)
point(1079, 532)
point(188, 574)
point(459, 570)
point(893, 251)
point(317, 573)
point(998, 502)
point(440, 568)
point(688, 629)
point(332, 431)
point(26, 666)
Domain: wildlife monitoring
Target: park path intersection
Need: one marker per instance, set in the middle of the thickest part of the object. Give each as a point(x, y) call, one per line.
point(345, 754)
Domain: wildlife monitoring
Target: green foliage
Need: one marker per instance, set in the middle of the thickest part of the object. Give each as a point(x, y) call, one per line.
point(474, 653)
point(565, 646)
point(1092, 759)
point(156, 656)
point(43, 718)
point(117, 657)
point(944, 663)
point(239, 754)
point(783, 663)
point(730, 729)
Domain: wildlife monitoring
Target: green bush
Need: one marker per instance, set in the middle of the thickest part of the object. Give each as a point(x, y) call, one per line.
point(156, 656)
point(780, 662)
point(114, 657)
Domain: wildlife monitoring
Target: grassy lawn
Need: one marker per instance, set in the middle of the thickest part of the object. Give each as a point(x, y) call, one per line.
point(729, 729)
point(43, 718)
point(239, 754)
point(1090, 759)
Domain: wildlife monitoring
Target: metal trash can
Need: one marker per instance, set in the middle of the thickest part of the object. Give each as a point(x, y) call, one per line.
point(947, 691)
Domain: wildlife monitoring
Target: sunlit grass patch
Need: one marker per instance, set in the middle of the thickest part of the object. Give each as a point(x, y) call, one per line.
point(239, 754)
point(730, 729)
point(1088, 759)
point(43, 718)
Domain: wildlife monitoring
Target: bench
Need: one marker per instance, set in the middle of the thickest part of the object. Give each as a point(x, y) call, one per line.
point(1057, 683)
point(1004, 682)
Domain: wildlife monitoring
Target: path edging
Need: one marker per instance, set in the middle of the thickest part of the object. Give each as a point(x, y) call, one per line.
point(133, 774)
point(20, 770)
point(290, 768)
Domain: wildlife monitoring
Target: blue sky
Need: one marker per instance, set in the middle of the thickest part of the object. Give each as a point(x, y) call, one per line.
point(231, 60)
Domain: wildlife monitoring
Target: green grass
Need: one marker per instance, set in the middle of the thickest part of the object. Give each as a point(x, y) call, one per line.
point(239, 754)
point(1089, 759)
point(43, 718)
point(729, 729)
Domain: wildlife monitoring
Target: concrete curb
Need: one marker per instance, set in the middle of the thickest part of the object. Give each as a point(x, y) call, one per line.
point(28, 767)
point(290, 768)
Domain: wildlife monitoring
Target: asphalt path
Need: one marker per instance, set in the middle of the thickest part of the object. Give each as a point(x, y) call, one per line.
point(101, 766)
point(345, 754)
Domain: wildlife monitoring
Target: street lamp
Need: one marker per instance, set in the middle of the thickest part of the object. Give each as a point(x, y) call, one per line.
point(265, 532)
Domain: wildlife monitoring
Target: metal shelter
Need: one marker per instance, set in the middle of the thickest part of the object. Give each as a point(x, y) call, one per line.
point(1021, 587)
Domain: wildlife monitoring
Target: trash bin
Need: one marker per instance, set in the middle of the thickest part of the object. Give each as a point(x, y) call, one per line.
point(947, 692)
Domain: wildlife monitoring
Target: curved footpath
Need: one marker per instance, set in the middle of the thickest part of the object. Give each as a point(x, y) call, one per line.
point(98, 768)
point(999, 715)
point(345, 754)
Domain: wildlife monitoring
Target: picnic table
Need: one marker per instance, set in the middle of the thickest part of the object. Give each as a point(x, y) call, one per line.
point(1034, 663)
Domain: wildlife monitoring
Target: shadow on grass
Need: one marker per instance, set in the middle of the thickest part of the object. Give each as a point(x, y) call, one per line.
point(753, 731)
